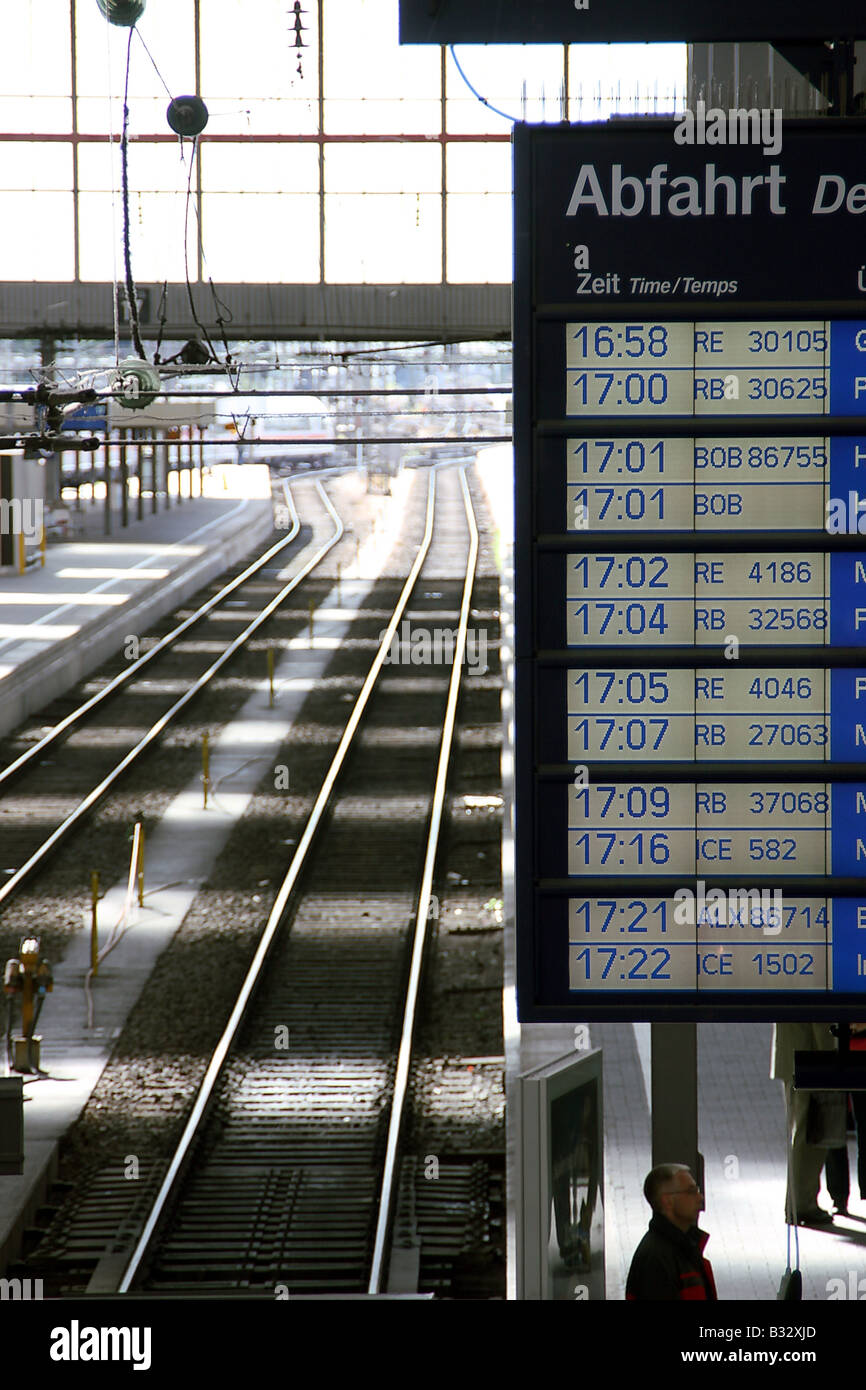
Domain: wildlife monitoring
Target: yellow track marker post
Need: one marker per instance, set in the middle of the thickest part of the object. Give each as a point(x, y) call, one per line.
point(138, 859)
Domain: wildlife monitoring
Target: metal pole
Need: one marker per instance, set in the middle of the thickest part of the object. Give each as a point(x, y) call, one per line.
point(675, 1096)
point(124, 480)
point(107, 513)
point(154, 478)
point(139, 466)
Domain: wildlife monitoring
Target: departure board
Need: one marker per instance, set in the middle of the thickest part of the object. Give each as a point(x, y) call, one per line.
point(620, 21)
point(690, 444)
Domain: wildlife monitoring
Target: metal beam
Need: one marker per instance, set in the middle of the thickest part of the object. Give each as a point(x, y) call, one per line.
point(333, 313)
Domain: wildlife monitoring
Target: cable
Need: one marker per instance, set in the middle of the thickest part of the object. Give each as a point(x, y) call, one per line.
point(161, 315)
point(124, 175)
point(220, 305)
point(153, 60)
point(483, 100)
point(114, 295)
point(189, 295)
point(198, 324)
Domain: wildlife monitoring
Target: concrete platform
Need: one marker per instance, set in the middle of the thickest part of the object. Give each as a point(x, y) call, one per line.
point(60, 621)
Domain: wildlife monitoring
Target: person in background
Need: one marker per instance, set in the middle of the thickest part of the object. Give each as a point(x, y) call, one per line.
point(858, 1105)
point(805, 1160)
point(836, 1172)
point(669, 1263)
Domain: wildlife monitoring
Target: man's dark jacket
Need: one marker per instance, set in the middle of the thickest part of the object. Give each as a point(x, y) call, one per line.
point(669, 1264)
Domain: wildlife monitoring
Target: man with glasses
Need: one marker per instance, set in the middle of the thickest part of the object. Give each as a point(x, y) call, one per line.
point(669, 1263)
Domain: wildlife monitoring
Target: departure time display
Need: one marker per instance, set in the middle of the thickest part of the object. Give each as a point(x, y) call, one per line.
point(700, 598)
point(692, 639)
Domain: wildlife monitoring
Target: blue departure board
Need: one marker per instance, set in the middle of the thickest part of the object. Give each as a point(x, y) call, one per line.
point(690, 584)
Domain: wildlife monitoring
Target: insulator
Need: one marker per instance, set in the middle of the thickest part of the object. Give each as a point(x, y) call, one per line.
point(135, 383)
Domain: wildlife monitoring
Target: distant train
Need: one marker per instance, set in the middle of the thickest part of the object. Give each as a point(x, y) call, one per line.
point(303, 421)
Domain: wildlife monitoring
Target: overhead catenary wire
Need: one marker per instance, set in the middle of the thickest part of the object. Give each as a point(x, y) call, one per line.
point(115, 307)
point(220, 306)
point(195, 317)
point(169, 93)
point(189, 294)
point(131, 297)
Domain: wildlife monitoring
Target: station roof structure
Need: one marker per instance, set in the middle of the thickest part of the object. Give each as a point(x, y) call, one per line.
point(343, 187)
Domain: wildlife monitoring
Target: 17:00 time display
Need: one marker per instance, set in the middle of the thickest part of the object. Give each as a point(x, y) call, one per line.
point(700, 368)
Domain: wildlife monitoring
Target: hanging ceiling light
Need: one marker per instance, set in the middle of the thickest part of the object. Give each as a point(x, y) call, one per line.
point(124, 12)
point(187, 115)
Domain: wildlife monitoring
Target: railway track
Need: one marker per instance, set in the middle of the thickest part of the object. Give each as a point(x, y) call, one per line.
point(281, 1157)
point(296, 1168)
point(62, 779)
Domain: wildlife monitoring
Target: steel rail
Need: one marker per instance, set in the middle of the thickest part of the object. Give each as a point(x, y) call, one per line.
point(404, 1056)
point(220, 1053)
point(135, 669)
point(98, 792)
